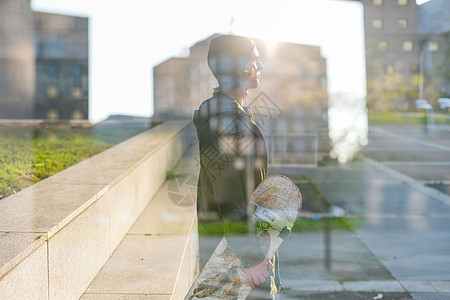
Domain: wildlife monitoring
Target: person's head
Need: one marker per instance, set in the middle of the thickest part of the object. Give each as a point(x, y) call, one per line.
point(234, 61)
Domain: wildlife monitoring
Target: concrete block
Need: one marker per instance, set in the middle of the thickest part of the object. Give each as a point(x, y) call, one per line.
point(46, 207)
point(29, 279)
point(103, 168)
point(123, 209)
point(16, 246)
point(142, 265)
point(162, 216)
point(78, 251)
point(130, 196)
point(125, 297)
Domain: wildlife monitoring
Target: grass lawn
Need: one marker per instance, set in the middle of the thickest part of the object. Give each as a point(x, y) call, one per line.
point(401, 118)
point(30, 154)
point(301, 225)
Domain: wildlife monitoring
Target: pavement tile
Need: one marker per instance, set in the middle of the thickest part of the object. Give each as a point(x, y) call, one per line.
point(142, 265)
point(345, 295)
point(418, 286)
point(412, 255)
point(304, 256)
point(408, 224)
point(430, 295)
point(385, 286)
point(442, 286)
point(312, 285)
point(437, 172)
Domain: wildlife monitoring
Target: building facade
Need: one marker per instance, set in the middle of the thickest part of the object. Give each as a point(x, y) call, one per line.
point(294, 76)
point(434, 29)
point(43, 64)
point(291, 101)
point(404, 54)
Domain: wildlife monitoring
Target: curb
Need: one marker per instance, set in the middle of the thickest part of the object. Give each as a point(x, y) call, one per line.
point(385, 286)
point(435, 194)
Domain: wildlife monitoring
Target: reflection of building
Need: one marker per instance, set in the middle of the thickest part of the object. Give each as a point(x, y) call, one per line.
point(293, 84)
point(181, 84)
point(434, 29)
point(400, 46)
point(43, 63)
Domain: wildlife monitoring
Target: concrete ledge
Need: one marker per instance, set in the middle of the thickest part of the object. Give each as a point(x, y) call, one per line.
point(44, 123)
point(158, 258)
point(56, 235)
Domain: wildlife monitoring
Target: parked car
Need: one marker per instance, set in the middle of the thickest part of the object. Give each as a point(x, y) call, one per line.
point(422, 104)
point(444, 104)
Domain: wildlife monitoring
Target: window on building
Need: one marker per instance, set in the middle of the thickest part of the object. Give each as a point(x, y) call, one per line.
point(398, 65)
point(377, 2)
point(377, 24)
point(389, 69)
point(408, 46)
point(414, 68)
point(54, 69)
point(52, 47)
point(433, 46)
point(402, 2)
point(52, 91)
point(402, 24)
point(76, 115)
point(382, 45)
point(77, 69)
point(77, 49)
point(53, 114)
point(77, 93)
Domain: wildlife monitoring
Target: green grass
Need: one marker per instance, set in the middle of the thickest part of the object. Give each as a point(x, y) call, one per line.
point(29, 155)
point(400, 118)
point(312, 225)
point(301, 225)
point(216, 227)
point(171, 176)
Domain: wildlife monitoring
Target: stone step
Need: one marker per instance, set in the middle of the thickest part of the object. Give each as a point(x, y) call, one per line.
point(158, 258)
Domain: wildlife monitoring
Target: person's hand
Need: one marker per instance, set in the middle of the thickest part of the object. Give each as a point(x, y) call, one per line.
point(257, 274)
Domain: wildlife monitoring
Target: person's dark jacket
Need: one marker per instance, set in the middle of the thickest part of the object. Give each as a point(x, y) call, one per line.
point(233, 160)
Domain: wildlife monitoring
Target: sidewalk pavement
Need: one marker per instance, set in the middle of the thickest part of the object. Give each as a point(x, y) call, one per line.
point(400, 247)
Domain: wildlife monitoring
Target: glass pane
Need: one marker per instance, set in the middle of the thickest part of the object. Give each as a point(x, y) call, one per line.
point(346, 99)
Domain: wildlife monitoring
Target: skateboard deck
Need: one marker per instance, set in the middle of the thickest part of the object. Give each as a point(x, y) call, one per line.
point(223, 277)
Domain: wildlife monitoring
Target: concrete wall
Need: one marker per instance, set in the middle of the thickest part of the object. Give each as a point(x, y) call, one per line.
point(56, 235)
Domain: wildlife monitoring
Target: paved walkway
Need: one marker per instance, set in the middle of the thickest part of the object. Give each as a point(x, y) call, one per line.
point(401, 243)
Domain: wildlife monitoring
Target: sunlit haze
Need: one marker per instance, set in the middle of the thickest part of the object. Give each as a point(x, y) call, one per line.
point(419, 2)
point(128, 37)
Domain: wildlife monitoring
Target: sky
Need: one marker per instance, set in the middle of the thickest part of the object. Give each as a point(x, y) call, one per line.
point(128, 37)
